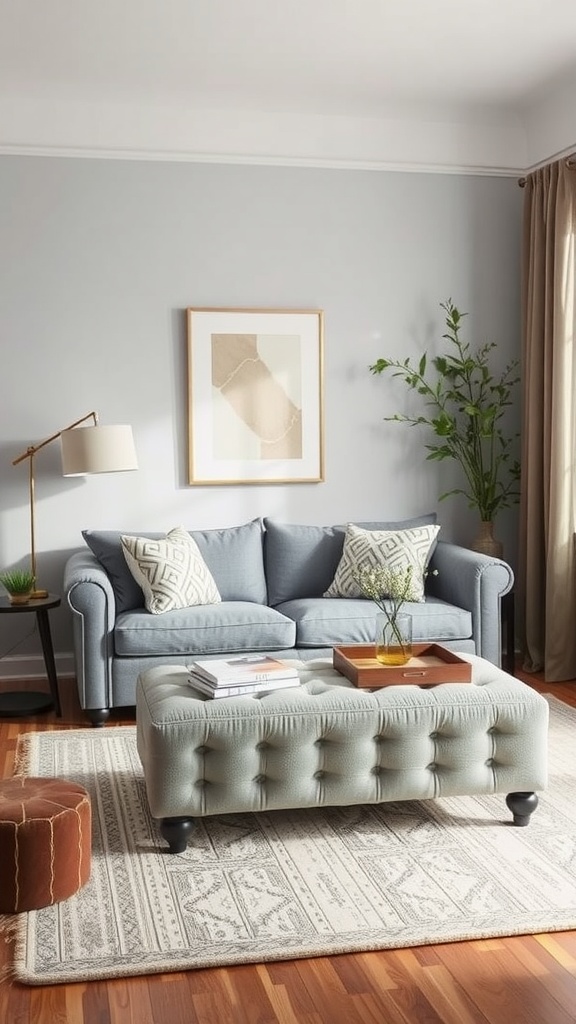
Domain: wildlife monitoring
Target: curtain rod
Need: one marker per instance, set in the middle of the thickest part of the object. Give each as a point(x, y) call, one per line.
point(570, 162)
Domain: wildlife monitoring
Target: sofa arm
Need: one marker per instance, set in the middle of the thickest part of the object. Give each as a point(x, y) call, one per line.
point(477, 583)
point(91, 598)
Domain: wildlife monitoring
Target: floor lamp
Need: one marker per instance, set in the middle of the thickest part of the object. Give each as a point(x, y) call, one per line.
point(92, 449)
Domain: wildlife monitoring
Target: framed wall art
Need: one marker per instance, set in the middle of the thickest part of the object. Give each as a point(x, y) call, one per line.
point(255, 396)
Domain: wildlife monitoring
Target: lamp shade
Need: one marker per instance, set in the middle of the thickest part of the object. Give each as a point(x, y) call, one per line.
point(108, 449)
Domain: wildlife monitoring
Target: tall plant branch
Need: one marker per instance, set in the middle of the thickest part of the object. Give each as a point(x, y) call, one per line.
point(467, 404)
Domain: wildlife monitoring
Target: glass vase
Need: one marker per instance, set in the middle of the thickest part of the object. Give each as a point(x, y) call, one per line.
point(393, 639)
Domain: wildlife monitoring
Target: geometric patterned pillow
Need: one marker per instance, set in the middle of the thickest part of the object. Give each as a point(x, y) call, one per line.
point(171, 572)
point(395, 549)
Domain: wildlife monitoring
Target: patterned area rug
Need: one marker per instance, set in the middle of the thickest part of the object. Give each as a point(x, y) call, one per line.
point(286, 884)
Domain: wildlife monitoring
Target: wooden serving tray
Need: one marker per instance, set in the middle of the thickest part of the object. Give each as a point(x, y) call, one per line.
point(429, 665)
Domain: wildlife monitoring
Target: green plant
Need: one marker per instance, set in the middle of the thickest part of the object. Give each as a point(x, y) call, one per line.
point(17, 581)
point(467, 403)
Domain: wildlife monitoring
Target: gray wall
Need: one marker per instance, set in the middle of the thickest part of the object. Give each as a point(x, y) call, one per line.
point(98, 261)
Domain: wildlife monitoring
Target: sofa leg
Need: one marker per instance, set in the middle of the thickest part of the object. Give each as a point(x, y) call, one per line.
point(522, 806)
point(97, 716)
point(176, 831)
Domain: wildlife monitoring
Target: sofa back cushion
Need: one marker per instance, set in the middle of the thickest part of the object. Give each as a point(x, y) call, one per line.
point(301, 561)
point(234, 556)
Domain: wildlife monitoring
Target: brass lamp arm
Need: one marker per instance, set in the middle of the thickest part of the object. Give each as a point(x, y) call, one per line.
point(29, 454)
point(93, 450)
point(32, 449)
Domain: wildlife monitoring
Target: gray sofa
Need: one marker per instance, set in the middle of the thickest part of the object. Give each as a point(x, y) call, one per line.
point(271, 577)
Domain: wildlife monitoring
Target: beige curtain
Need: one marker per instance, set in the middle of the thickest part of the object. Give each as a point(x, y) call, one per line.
point(547, 568)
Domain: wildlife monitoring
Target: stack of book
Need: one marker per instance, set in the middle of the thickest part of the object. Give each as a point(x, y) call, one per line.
point(241, 675)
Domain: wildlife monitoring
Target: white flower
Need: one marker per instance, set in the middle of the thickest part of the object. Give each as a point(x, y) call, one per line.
point(388, 588)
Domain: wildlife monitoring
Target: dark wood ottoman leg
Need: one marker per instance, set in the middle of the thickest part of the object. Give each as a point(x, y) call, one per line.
point(176, 832)
point(522, 806)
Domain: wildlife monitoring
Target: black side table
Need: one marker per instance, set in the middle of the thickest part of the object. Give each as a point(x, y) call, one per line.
point(26, 702)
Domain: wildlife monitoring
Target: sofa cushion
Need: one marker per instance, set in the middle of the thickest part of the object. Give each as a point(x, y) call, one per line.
point(106, 545)
point(323, 622)
point(301, 561)
point(170, 571)
point(232, 626)
point(392, 550)
point(234, 556)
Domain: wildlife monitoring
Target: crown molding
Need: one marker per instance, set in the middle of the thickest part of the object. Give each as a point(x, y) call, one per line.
point(268, 161)
point(128, 131)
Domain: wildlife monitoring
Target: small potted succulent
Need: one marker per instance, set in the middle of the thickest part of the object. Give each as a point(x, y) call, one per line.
point(19, 583)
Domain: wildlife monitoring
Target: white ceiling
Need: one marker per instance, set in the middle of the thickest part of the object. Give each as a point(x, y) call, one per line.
point(452, 84)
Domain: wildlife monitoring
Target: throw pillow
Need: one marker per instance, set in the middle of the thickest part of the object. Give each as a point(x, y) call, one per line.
point(171, 571)
point(395, 549)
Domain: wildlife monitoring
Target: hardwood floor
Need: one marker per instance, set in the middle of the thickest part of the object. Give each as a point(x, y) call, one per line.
point(525, 980)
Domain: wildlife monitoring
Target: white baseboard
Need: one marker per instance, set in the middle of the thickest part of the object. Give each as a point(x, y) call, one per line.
point(31, 666)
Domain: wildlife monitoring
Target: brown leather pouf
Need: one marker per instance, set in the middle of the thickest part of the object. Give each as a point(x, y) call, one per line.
point(45, 842)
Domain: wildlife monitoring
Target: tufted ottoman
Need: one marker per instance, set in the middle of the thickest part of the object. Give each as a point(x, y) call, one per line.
point(328, 743)
point(45, 842)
